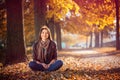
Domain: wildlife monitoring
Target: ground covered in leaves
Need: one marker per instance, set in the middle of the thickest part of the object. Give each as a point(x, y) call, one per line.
point(99, 65)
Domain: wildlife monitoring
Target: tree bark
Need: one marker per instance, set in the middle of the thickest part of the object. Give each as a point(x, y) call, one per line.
point(86, 42)
point(101, 43)
point(91, 37)
point(15, 35)
point(117, 25)
point(39, 15)
point(51, 25)
point(58, 36)
point(2, 5)
point(96, 39)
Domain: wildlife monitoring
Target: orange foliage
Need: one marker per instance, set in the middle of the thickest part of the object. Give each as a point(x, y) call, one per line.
point(94, 16)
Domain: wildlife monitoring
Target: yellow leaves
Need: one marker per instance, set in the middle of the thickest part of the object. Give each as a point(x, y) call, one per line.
point(59, 9)
point(70, 6)
point(76, 8)
point(106, 21)
point(98, 13)
point(101, 27)
point(88, 22)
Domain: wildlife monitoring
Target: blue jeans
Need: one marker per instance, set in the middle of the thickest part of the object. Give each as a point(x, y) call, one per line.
point(53, 67)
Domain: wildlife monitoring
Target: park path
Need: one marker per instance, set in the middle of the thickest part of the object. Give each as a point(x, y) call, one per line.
point(95, 59)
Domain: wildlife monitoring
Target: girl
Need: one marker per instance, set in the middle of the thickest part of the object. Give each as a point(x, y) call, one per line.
point(45, 53)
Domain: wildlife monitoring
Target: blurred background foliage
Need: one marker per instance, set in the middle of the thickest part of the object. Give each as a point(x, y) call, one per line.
point(80, 18)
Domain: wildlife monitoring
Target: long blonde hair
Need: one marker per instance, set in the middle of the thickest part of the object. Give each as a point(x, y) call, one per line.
point(46, 28)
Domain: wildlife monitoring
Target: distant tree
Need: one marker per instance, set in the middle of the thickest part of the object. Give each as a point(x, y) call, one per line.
point(15, 36)
point(97, 12)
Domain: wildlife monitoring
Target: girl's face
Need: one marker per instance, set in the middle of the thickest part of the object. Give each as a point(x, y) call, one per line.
point(44, 34)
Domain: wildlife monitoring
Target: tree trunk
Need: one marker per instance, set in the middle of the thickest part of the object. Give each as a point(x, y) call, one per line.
point(91, 37)
point(39, 15)
point(86, 42)
point(101, 45)
point(15, 35)
point(96, 39)
point(117, 25)
point(58, 36)
point(52, 29)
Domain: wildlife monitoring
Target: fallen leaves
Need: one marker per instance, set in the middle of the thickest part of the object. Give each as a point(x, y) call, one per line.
point(74, 68)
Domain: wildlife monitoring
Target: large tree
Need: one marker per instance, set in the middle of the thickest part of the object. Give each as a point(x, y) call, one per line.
point(56, 13)
point(15, 35)
point(39, 15)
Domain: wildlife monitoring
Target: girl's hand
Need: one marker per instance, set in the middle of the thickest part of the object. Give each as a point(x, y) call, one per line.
point(44, 65)
point(48, 65)
point(38, 62)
